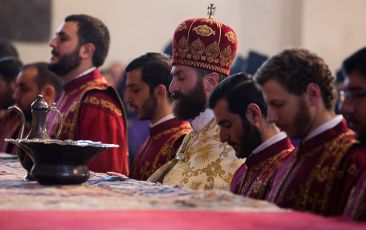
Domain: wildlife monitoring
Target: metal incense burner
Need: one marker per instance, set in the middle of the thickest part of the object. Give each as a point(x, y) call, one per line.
point(52, 161)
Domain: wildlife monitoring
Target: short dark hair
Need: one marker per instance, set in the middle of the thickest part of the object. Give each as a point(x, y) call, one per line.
point(10, 69)
point(92, 30)
point(295, 69)
point(7, 49)
point(155, 69)
point(9, 61)
point(239, 90)
point(45, 76)
point(355, 62)
point(202, 72)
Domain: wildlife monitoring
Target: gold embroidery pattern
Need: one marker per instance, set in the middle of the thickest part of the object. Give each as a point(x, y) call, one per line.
point(171, 131)
point(304, 197)
point(204, 30)
point(165, 152)
point(90, 85)
point(231, 37)
point(71, 117)
point(197, 49)
point(263, 174)
point(201, 65)
point(197, 54)
point(212, 51)
point(167, 148)
point(335, 149)
point(103, 103)
point(207, 163)
point(69, 127)
point(74, 114)
point(69, 123)
point(225, 56)
point(183, 47)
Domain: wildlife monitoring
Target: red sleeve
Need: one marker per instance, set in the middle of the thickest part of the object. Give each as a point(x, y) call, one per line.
point(237, 179)
point(351, 169)
point(177, 144)
point(100, 119)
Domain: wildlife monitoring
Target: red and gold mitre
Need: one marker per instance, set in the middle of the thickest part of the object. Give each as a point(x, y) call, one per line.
point(205, 43)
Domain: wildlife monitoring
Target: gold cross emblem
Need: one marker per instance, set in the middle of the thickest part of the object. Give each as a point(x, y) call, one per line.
point(211, 10)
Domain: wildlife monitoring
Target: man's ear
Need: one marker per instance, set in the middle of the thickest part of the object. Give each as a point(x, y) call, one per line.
point(87, 51)
point(253, 113)
point(313, 93)
point(212, 80)
point(49, 93)
point(160, 92)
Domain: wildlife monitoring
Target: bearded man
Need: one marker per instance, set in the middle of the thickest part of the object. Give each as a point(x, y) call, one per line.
point(91, 108)
point(10, 66)
point(203, 53)
point(241, 112)
point(147, 92)
point(354, 108)
point(318, 177)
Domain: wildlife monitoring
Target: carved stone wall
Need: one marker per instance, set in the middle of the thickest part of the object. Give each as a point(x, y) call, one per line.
point(25, 20)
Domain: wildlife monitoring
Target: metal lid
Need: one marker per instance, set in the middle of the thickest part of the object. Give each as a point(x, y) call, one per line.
point(39, 104)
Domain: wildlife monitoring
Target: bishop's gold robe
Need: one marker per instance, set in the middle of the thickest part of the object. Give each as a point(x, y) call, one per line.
point(205, 162)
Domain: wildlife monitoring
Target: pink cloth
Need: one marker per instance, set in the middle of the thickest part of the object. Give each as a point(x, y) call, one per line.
point(164, 219)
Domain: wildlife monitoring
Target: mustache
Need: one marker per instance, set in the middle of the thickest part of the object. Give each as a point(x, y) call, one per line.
point(231, 143)
point(177, 95)
point(55, 53)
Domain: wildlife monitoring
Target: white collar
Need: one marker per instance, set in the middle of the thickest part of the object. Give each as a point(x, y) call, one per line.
point(86, 72)
point(167, 117)
point(202, 120)
point(269, 142)
point(323, 127)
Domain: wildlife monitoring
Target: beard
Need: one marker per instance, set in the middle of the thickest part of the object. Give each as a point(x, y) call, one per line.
point(66, 63)
point(301, 125)
point(148, 108)
point(357, 127)
point(191, 105)
point(361, 137)
point(250, 140)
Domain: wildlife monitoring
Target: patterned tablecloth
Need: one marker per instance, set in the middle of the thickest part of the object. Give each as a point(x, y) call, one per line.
point(100, 203)
point(99, 193)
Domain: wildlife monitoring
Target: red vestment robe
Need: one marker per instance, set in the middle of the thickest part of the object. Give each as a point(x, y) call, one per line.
point(356, 204)
point(160, 147)
point(320, 174)
point(93, 111)
point(254, 177)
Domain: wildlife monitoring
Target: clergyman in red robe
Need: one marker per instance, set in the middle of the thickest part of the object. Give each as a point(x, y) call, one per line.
point(91, 108)
point(240, 111)
point(354, 108)
point(318, 177)
point(147, 83)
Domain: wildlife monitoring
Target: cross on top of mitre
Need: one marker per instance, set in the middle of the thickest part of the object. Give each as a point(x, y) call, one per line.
point(211, 10)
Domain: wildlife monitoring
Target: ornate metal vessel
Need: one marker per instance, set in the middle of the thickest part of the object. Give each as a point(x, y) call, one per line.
point(52, 161)
point(60, 162)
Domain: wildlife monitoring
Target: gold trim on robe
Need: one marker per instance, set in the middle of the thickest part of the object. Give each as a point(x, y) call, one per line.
point(206, 162)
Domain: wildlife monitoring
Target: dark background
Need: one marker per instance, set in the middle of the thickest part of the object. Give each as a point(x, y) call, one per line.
point(25, 20)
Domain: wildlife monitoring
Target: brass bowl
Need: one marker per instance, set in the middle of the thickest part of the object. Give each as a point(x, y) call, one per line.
point(60, 162)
